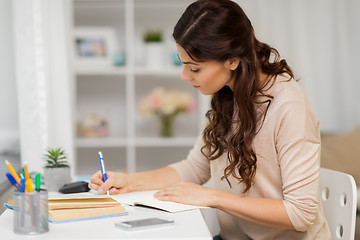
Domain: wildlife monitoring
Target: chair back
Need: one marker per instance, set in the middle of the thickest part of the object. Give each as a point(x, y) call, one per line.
point(339, 198)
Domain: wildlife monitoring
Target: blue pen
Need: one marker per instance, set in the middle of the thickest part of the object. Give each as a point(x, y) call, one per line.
point(102, 167)
point(22, 184)
point(12, 180)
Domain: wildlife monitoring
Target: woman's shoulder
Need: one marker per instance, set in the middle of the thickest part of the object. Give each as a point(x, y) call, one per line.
point(285, 89)
point(289, 105)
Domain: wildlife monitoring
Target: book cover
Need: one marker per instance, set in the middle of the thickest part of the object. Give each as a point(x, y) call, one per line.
point(83, 206)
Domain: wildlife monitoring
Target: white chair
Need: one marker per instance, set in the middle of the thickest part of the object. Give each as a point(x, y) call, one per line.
point(339, 198)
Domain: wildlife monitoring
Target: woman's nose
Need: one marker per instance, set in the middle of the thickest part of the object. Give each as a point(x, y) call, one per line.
point(185, 74)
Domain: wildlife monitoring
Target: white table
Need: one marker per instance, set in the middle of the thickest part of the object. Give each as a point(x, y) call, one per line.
point(189, 225)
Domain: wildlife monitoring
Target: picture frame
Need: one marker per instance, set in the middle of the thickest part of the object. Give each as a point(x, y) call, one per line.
point(94, 46)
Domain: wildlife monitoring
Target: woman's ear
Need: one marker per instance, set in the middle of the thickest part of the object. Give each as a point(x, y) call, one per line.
point(232, 63)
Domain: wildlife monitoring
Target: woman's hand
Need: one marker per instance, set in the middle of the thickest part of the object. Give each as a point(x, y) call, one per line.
point(119, 182)
point(186, 193)
point(116, 183)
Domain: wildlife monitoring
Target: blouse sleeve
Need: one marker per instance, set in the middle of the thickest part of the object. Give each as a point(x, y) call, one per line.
point(195, 168)
point(298, 146)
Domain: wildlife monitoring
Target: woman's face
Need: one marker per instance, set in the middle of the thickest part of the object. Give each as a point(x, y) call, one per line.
point(209, 77)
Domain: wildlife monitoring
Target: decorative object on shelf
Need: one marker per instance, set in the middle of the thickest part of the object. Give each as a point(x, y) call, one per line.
point(94, 46)
point(176, 59)
point(166, 104)
point(119, 59)
point(92, 125)
point(57, 169)
point(153, 49)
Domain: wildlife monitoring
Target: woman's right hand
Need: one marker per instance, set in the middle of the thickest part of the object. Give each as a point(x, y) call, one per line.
point(116, 183)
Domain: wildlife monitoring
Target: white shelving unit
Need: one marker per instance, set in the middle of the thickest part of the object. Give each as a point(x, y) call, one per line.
point(114, 91)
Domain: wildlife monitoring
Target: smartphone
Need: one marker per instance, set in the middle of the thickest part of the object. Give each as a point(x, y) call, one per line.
point(144, 223)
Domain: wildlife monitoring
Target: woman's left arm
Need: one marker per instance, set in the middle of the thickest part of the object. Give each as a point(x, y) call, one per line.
point(264, 211)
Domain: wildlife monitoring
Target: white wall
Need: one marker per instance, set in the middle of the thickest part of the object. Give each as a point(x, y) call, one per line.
point(42, 77)
point(320, 40)
point(8, 98)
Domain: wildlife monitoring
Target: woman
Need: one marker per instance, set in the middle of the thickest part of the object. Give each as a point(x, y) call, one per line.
point(261, 145)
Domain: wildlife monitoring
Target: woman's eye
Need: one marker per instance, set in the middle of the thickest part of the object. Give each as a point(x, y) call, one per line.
point(194, 70)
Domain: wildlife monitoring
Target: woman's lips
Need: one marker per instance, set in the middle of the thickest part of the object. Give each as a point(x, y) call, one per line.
point(196, 86)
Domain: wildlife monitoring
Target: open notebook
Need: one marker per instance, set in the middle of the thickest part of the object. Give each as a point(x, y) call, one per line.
point(146, 198)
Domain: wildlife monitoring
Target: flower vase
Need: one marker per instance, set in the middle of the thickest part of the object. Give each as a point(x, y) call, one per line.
point(167, 125)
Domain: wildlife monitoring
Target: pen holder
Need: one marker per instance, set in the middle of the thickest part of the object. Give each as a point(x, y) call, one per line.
point(31, 212)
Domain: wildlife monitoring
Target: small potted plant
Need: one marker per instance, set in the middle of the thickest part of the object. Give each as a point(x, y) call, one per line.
point(153, 49)
point(153, 36)
point(57, 169)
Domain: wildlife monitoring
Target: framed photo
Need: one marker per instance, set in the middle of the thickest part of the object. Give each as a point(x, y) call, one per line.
point(94, 46)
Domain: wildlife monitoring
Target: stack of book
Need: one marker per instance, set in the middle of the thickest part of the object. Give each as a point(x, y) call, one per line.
point(83, 206)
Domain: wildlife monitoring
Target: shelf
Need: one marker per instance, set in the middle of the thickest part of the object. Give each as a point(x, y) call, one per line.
point(121, 71)
point(160, 4)
point(115, 91)
point(100, 142)
point(100, 70)
point(139, 142)
point(166, 71)
point(99, 3)
point(165, 142)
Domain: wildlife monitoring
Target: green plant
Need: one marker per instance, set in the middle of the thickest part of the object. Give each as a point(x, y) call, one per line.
point(55, 158)
point(153, 36)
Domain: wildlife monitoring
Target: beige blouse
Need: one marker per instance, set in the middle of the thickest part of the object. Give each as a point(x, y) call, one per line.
point(288, 161)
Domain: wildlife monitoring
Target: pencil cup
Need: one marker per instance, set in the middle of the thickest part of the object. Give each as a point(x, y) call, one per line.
point(30, 212)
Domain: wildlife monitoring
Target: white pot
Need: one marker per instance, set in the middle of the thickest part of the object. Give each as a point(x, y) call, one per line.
point(55, 178)
point(154, 55)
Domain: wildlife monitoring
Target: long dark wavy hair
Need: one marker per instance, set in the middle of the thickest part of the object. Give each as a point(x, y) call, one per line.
point(220, 30)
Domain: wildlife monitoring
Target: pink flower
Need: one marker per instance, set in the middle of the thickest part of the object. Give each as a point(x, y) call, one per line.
point(162, 102)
